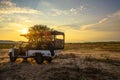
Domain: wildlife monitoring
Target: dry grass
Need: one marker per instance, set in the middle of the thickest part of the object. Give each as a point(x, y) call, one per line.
point(75, 64)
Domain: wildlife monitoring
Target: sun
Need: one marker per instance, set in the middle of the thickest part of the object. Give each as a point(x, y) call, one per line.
point(25, 30)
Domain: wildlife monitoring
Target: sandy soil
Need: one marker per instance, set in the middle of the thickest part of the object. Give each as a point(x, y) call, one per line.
point(70, 65)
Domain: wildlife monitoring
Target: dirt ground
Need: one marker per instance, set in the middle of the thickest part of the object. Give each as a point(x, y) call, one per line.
point(70, 65)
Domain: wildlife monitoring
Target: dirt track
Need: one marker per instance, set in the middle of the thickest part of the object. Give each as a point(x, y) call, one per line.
point(70, 65)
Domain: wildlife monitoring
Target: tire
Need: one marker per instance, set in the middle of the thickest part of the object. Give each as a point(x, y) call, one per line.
point(12, 59)
point(49, 59)
point(39, 58)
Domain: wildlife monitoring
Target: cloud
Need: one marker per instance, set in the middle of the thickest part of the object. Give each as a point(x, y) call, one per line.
point(107, 29)
point(45, 3)
point(71, 11)
point(103, 20)
point(21, 16)
point(6, 3)
point(110, 23)
point(7, 7)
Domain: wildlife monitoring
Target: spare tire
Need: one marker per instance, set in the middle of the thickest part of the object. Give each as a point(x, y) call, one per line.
point(39, 58)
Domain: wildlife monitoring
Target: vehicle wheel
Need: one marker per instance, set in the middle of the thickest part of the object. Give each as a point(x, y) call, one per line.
point(49, 59)
point(12, 59)
point(39, 58)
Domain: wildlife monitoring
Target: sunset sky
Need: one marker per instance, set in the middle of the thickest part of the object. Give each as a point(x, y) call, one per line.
point(81, 20)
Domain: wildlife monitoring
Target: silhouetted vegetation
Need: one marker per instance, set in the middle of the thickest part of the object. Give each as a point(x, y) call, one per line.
point(39, 33)
point(39, 36)
point(5, 46)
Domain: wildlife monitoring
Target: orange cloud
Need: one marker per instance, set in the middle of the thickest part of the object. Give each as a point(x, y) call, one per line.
point(110, 23)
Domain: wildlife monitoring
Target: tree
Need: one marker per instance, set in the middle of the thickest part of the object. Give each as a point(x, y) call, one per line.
point(38, 34)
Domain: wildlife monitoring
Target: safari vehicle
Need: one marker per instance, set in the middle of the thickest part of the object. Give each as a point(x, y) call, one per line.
point(40, 51)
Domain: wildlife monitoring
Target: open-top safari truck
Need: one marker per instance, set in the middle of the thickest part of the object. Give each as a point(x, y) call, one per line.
point(39, 50)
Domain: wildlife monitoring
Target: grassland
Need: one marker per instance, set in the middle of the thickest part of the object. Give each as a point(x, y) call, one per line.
point(78, 61)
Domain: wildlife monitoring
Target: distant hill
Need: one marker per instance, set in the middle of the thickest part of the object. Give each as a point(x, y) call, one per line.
point(7, 42)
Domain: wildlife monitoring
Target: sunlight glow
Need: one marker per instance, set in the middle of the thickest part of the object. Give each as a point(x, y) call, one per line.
point(24, 31)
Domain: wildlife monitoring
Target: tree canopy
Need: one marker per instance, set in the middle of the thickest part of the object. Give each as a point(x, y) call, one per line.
point(39, 33)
